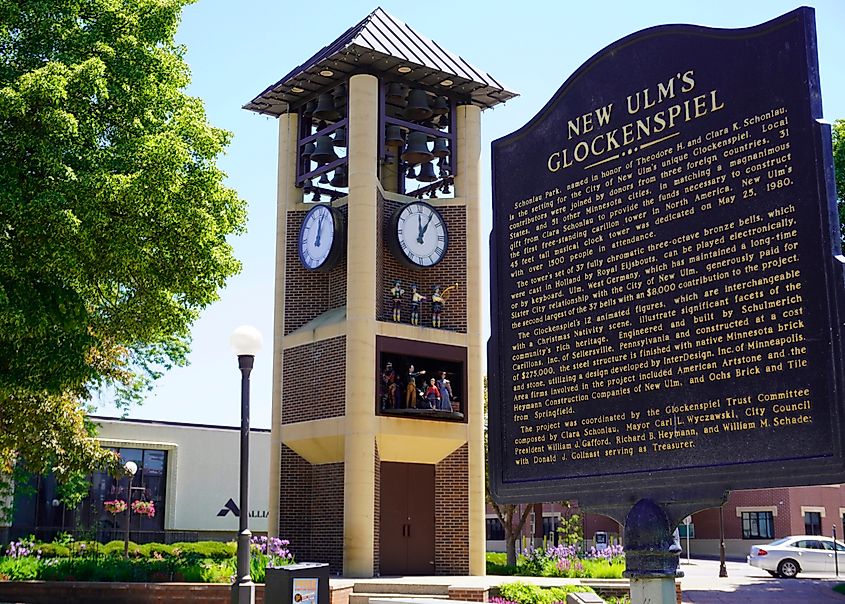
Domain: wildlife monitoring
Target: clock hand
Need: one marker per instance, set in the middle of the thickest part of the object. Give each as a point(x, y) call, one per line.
point(420, 227)
point(319, 231)
point(425, 228)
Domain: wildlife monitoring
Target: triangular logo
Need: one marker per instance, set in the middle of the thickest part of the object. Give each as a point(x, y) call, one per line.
point(229, 507)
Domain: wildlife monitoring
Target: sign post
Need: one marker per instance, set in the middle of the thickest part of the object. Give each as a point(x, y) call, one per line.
point(667, 320)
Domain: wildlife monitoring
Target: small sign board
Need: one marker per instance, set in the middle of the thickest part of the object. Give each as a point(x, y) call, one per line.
point(665, 321)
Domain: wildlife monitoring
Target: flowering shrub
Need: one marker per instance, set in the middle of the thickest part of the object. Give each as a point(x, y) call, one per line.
point(143, 508)
point(275, 549)
point(611, 553)
point(19, 549)
point(115, 506)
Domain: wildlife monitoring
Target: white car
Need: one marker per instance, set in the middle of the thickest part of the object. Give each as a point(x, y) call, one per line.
point(789, 556)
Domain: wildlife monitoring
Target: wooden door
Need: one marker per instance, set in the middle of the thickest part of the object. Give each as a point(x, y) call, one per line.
point(406, 527)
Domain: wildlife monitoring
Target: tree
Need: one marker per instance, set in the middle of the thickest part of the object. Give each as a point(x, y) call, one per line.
point(512, 516)
point(113, 216)
point(839, 168)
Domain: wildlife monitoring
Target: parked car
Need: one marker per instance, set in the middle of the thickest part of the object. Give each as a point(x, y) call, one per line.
point(789, 556)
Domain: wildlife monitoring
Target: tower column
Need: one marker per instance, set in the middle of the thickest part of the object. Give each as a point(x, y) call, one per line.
point(287, 196)
point(360, 426)
point(468, 188)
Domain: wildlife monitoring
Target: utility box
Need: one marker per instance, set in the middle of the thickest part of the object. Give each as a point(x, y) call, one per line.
point(304, 583)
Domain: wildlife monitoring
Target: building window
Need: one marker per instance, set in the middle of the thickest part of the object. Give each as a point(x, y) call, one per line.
point(495, 530)
point(550, 530)
point(40, 512)
point(758, 525)
point(812, 523)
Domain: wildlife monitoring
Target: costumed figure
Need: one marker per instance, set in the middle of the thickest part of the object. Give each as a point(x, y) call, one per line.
point(411, 387)
point(396, 293)
point(432, 394)
point(445, 387)
point(438, 300)
point(388, 387)
point(416, 299)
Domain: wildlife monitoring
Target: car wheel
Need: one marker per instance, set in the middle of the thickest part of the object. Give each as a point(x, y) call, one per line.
point(773, 573)
point(788, 568)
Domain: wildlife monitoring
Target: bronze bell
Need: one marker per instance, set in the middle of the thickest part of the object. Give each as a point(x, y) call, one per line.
point(325, 108)
point(441, 147)
point(309, 107)
point(411, 173)
point(417, 150)
point(324, 151)
point(445, 168)
point(339, 95)
point(397, 93)
point(307, 150)
point(324, 178)
point(441, 105)
point(340, 137)
point(394, 136)
point(427, 173)
point(339, 180)
point(418, 107)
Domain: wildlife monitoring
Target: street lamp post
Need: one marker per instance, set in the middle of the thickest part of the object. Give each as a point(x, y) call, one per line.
point(246, 342)
point(723, 570)
point(131, 467)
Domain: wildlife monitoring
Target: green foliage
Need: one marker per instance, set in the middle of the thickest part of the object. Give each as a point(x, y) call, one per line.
point(152, 550)
point(52, 550)
point(527, 593)
point(113, 218)
point(497, 564)
point(839, 168)
point(570, 528)
point(19, 569)
point(213, 550)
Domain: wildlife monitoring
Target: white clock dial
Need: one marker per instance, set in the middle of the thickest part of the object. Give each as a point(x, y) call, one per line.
point(421, 235)
point(317, 237)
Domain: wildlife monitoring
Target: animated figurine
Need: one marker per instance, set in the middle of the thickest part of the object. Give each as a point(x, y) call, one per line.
point(396, 292)
point(438, 300)
point(411, 387)
point(432, 395)
point(389, 387)
point(445, 387)
point(416, 298)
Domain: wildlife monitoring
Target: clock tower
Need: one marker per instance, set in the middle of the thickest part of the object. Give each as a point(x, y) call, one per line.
point(377, 439)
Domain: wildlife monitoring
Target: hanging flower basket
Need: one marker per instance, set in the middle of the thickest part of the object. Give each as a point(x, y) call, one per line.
point(115, 507)
point(144, 508)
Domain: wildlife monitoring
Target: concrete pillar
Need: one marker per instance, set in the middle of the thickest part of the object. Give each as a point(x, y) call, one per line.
point(468, 189)
point(287, 197)
point(359, 466)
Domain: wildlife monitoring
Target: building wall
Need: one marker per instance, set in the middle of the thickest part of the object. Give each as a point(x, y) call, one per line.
point(451, 514)
point(203, 470)
point(311, 509)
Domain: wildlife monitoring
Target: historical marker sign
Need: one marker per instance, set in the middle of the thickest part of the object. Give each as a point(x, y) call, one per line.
point(665, 317)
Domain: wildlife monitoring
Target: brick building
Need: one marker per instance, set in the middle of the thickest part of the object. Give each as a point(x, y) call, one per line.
point(750, 517)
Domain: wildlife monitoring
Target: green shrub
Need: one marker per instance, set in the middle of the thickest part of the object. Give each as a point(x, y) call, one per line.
point(52, 550)
point(115, 548)
point(213, 550)
point(148, 550)
point(526, 593)
point(24, 568)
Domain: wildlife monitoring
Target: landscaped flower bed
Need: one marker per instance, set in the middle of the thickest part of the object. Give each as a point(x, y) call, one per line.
point(201, 562)
point(562, 561)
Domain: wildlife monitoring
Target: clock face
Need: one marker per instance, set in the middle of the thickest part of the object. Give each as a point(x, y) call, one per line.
point(318, 238)
point(421, 235)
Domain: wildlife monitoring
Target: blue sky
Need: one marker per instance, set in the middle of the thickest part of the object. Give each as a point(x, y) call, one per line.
point(235, 50)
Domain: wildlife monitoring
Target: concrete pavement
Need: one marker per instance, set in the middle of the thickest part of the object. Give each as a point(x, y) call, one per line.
point(745, 584)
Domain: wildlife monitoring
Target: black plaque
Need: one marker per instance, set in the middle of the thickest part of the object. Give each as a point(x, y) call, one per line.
point(665, 318)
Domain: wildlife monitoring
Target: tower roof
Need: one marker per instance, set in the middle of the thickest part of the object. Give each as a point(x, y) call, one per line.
point(381, 44)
